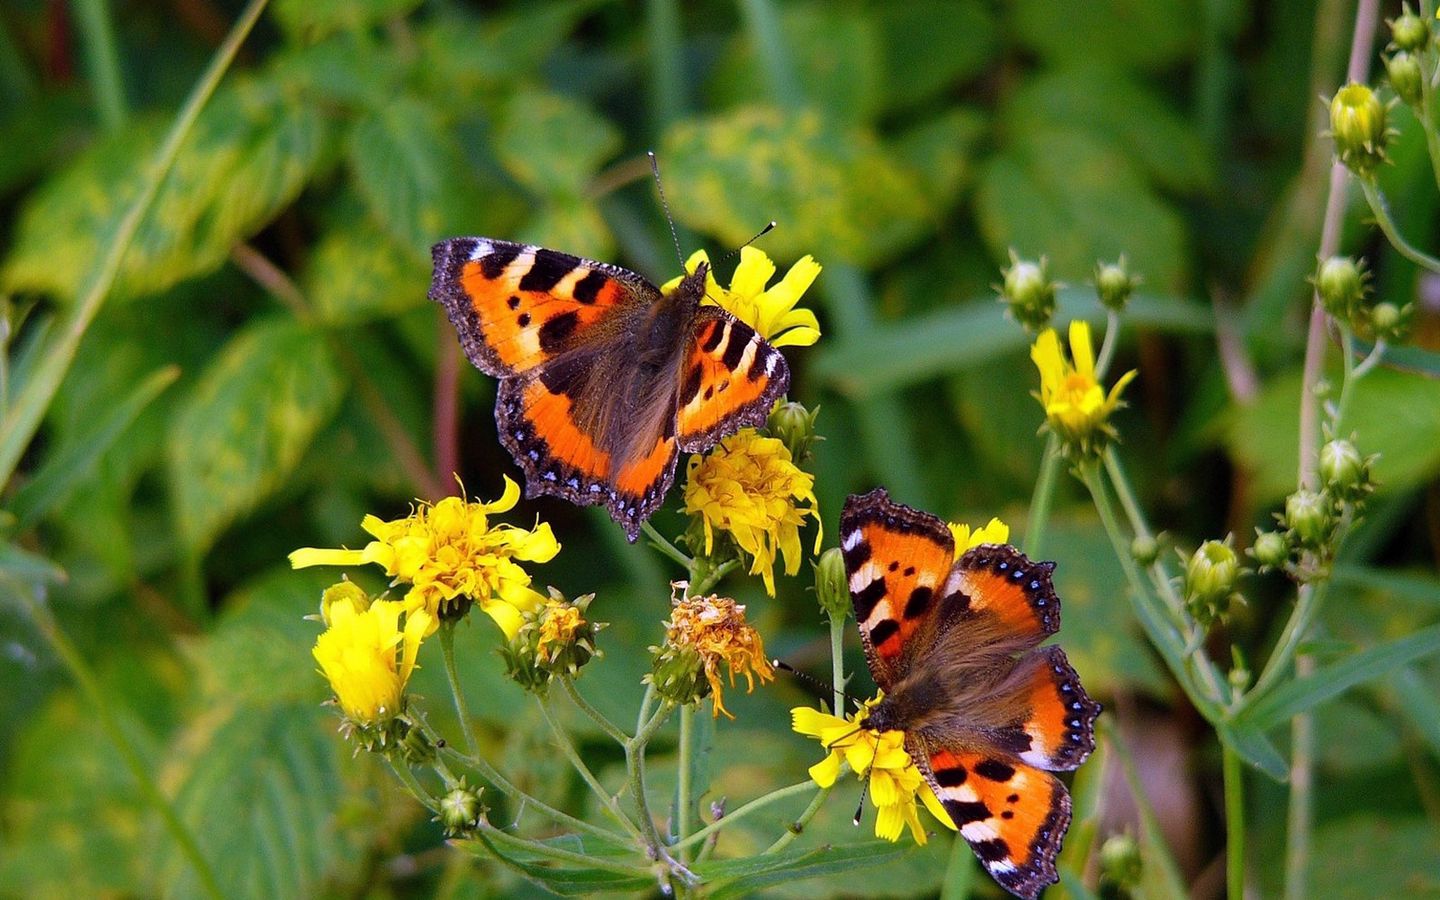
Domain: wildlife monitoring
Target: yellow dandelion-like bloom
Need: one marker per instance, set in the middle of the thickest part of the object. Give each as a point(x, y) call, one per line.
point(1076, 406)
point(449, 551)
point(367, 657)
point(750, 487)
point(966, 538)
point(880, 756)
point(558, 623)
point(770, 311)
point(702, 633)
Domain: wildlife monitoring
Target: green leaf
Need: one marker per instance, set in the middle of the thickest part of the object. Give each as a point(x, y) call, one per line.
point(1419, 705)
point(245, 424)
point(1294, 697)
point(1063, 193)
point(72, 461)
point(314, 19)
point(459, 55)
point(741, 877)
point(401, 157)
point(1374, 855)
point(1255, 748)
point(835, 190)
point(1421, 590)
point(564, 879)
point(357, 273)
point(576, 226)
point(928, 45)
point(1126, 32)
point(251, 151)
point(1396, 415)
point(941, 151)
point(28, 568)
point(553, 144)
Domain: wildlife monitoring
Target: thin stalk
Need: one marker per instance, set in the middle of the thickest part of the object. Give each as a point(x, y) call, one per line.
point(559, 854)
point(795, 828)
point(755, 805)
point(89, 686)
point(712, 578)
point(665, 547)
point(411, 784)
point(644, 715)
point(683, 800)
point(595, 715)
point(1300, 812)
point(837, 664)
point(607, 800)
point(447, 650)
point(1041, 499)
point(102, 61)
point(1107, 345)
point(635, 764)
point(1234, 822)
point(1380, 207)
point(524, 800)
point(1427, 115)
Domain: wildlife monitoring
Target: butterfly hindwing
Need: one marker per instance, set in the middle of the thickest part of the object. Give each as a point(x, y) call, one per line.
point(1060, 717)
point(896, 563)
point(1013, 815)
point(516, 307)
point(729, 378)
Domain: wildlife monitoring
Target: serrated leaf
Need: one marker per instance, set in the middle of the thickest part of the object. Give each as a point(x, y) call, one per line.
point(1139, 33)
point(246, 423)
point(251, 151)
point(836, 191)
point(314, 19)
point(553, 144)
point(357, 273)
point(931, 44)
point(1075, 199)
point(402, 159)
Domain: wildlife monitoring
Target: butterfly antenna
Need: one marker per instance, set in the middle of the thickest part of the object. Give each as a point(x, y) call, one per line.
point(811, 680)
point(860, 809)
point(665, 205)
point(764, 231)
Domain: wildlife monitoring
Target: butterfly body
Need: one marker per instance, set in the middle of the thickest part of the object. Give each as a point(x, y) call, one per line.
point(604, 378)
point(987, 714)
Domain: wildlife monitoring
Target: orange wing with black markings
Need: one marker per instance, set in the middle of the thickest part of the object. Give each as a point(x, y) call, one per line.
point(729, 379)
point(896, 562)
point(1059, 716)
point(998, 579)
point(1013, 815)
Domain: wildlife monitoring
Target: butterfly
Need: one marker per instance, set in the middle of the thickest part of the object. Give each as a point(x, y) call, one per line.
point(987, 715)
point(604, 378)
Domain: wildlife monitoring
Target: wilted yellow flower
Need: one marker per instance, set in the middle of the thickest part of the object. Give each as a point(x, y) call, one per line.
point(770, 311)
point(368, 658)
point(1076, 407)
point(895, 781)
point(702, 633)
point(558, 623)
point(749, 486)
point(449, 551)
point(994, 532)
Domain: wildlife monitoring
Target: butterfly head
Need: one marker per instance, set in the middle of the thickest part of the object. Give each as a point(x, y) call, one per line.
point(691, 289)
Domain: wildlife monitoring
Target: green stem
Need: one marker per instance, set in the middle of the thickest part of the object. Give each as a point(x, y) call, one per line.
point(665, 547)
point(683, 800)
point(635, 765)
point(1107, 345)
point(755, 805)
point(1381, 209)
point(607, 800)
point(1307, 606)
point(1234, 821)
point(102, 61)
point(837, 664)
point(595, 715)
point(1041, 499)
point(89, 686)
point(447, 650)
point(712, 578)
point(798, 826)
point(411, 784)
point(558, 854)
point(22, 420)
point(1299, 818)
point(1427, 115)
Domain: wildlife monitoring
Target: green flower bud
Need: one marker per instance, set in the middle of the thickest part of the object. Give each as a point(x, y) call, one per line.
point(794, 425)
point(1210, 575)
point(1343, 471)
point(1145, 550)
point(1114, 284)
point(1410, 32)
point(1391, 323)
point(1120, 862)
point(1403, 71)
point(342, 592)
point(1239, 678)
point(1029, 292)
point(554, 639)
point(1309, 516)
point(460, 810)
point(1358, 128)
point(414, 745)
point(678, 674)
point(1342, 285)
point(1271, 550)
point(831, 587)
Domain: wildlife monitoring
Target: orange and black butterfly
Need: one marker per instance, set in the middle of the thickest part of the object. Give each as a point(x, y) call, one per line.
point(987, 715)
point(603, 377)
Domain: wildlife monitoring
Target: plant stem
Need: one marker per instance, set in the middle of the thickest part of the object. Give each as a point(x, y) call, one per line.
point(1381, 209)
point(1427, 114)
point(607, 800)
point(1300, 812)
point(102, 60)
point(796, 827)
point(1234, 821)
point(837, 664)
point(1041, 499)
point(683, 800)
point(407, 778)
point(1107, 345)
point(595, 715)
point(447, 650)
point(635, 764)
point(22, 419)
point(712, 578)
point(665, 547)
point(89, 686)
point(754, 805)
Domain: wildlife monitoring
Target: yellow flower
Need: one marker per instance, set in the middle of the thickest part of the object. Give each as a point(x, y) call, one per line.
point(449, 553)
point(770, 311)
point(1076, 407)
point(749, 486)
point(558, 623)
point(702, 633)
point(368, 658)
point(994, 532)
point(895, 781)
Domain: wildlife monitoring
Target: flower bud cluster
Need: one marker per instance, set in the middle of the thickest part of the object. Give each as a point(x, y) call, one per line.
point(1343, 284)
point(554, 639)
point(1314, 520)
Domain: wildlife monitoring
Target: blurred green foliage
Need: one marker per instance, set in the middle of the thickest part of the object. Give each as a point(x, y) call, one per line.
point(266, 371)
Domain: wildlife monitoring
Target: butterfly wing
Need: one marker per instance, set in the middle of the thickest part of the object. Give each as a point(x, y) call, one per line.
point(1013, 815)
point(730, 378)
point(999, 580)
point(897, 560)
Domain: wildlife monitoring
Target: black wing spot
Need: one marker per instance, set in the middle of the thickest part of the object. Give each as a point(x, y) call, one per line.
point(493, 265)
point(523, 320)
point(919, 602)
point(556, 331)
point(734, 349)
point(995, 770)
point(587, 289)
point(883, 631)
point(991, 851)
point(894, 564)
point(866, 599)
point(514, 301)
point(547, 271)
point(713, 339)
point(950, 777)
point(691, 387)
point(966, 811)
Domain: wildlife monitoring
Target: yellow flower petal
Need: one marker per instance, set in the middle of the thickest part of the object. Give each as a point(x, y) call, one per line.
point(826, 770)
point(753, 272)
point(813, 722)
point(311, 556)
point(1081, 350)
point(937, 809)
